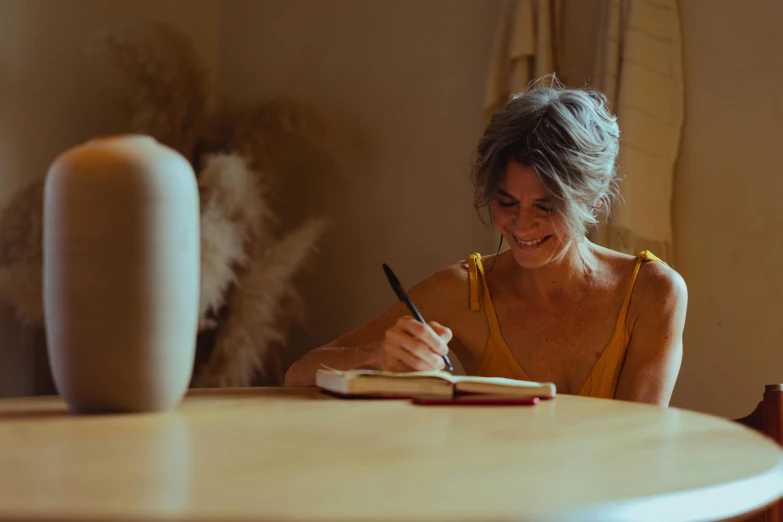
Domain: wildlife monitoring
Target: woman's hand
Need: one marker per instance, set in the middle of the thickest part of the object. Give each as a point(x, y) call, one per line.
point(410, 345)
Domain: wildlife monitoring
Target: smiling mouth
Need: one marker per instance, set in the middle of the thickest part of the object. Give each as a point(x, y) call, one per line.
point(532, 242)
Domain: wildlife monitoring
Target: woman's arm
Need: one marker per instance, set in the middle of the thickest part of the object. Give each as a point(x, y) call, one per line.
point(358, 349)
point(302, 372)
point(393, 341)
point(652, 362)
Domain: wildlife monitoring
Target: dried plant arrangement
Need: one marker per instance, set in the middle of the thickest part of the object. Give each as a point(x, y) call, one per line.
point(249, 260)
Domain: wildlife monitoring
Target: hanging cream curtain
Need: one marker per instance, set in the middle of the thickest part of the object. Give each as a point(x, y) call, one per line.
point(525, 48)
point(639, 67)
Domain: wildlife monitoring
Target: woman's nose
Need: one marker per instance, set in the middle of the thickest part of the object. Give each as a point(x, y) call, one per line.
point(524, 221)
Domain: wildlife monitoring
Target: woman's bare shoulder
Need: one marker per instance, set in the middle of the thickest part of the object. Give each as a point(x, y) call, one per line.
point(654, 276)
point(437, 297)
point(658, 288)
point(448, 285)
point(658, 283)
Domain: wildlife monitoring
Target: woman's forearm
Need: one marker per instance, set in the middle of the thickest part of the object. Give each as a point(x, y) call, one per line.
point(302, 372)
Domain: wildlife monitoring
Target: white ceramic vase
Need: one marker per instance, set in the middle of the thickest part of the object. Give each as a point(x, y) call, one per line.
point(121, 268)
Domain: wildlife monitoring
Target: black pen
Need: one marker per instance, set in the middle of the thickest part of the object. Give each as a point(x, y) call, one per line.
point(403, 296)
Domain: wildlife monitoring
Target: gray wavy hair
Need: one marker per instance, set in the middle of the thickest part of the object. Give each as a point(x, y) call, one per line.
point(568, 136)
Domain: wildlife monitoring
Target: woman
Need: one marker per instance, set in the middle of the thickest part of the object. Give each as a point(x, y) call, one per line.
point(554, 307)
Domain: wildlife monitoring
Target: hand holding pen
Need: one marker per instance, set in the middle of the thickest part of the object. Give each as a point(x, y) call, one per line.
point(412, 343)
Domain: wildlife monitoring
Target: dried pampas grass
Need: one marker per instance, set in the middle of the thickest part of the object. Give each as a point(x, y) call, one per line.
point(159, 81)
point(249, 261)
point(257, 321)
point(269, 131)
point(21, 254)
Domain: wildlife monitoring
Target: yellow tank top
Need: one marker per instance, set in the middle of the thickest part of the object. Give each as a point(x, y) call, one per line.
point(498, 361)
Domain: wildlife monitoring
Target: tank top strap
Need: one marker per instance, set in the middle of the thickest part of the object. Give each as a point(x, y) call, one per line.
point(476, 272)
point(645, 255)
point(649, 256)
point(473, 260)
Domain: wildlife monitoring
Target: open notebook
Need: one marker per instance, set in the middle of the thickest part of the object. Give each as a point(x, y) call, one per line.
point(372, 383)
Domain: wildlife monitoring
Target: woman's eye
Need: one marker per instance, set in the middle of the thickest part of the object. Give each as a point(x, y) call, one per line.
point(548, 210)
point(506, 203)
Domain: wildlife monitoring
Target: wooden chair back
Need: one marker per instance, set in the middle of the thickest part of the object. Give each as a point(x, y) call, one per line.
point(768, 419)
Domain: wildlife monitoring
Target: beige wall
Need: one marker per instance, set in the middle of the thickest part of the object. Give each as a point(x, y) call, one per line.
point(728, 212)
point(404, 81)
point(48, 102)
point(48, 94)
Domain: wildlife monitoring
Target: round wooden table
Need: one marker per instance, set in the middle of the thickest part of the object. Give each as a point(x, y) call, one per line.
point(298, 455)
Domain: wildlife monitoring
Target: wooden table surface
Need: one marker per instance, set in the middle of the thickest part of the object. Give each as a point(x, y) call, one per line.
point(297, 455)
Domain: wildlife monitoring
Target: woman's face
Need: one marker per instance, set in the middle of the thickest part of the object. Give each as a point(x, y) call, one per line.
point(523, 214)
